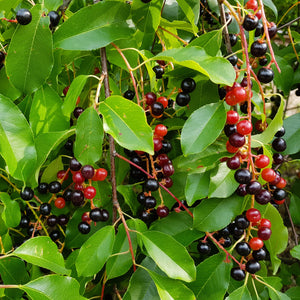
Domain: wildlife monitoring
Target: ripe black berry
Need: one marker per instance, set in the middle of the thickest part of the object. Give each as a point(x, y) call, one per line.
point(233, 59)
point(227, 242)
point(151, 185)
point(263, 197)
point(242, 176)
point(243, 248)
point(95, 214)
point(241, 222)
point(43, 188)
point(129, 94)
point(278, 158)
point(252, 266)
point(67, 195)
point(260, 254)
point(77, 112)
point(233, 39)
point(30, 231)
point(272, 29)
point(244, 107)
point(27, 193)
point(62, 220)
point(259, 48)
point(263, 61)
point(250, 22)
point(259, 29)
point(237, 140)
point(162, 211)
point(24, 222)
point(279, 144)
point(203, 247)
point(229, 129)
point(279, 194)
point(150, 202)
point(237, 274)
point(104, 215)
point(75, 165)
point(224, 232)
point(188, 85)
point(183, 99)
point(159, 71)
point(23, 16)
point(280, 132)
point(253, 187)
point(265, 75)
point(52, 220)
point(233, 163)
point(141, 198)
point(77, 197)
point(166, 146)
point(84, 227)
point(157, 109)
point(54, 235)
point(54, 18)
point(2, 57)
point(241, 190)
point(69, 145)
point(45, 209)
point(54, 187)
point(88, 172)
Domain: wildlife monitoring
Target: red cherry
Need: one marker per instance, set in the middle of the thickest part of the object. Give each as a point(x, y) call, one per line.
point(62, 174)
point(230, 88)
point(256, 243)
point(252, 4)
point(281, 184)
point(262, 161)
point(160, 130)
point(150, 98)
point(78, 186)
point(265, 223)
point(157, 144)
point(230, 98)
point(60, 202)
point(279, 202)
point(268, 174)
point(244, 127)
point(259, 126)
point(168, 182)
point(85, 217)
point(65, 91)
point(78, 178)
point(258, 15)
point(230, 148)
point(232, 117)
point(240, 94)
point(162, 159)
point(163, 100)
point(89, 192)
point(162, 211)
point(264, 233)
point(253, 215)
point(100, 174)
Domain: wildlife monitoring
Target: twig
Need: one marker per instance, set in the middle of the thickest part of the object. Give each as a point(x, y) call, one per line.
point(292, 223)
point(225, 29)
point(289, 23)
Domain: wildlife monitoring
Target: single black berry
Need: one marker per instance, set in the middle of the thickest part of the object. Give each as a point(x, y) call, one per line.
point(159, 71)
point(224, 232)
point(279, 194)
point(265, 75)
point(166, 146)
point(43, 188)
point(203, 247)
point(263, 197)
point(243, 248)
point(252, 266)
point(52, 220)
point(77, 197)
point(23, 16)
point(242, 176)
point(241, 222)
point(253, 187)
point(244, 107)
point(250, 22)
point(183, 99)
point(129, 94)
point(30, 231)
point(272, 29)
point(229, 129)
point(69, 145)
point(84, 227)
point(54, 235)
point(75, 165)
point(54, 18)
point(233, 39)
point(188, 85)
point(227, 242)
point(62, 220)
point(150, 202)
point(24, 222)
point(237, 274)
point(95, 214)
point(280, 132)
point(278, 158)
point(233, 59)
point(241, 190)
point(259, 48)
point(279, 144)
point(45, 209)
point(27, 193)
point(157, 109)
point(141, 198)
point(2, 57)
point(259, 29)
point(54, 187)
point(237, 140)
point(263, 61)
point(67, 195)
point(260, 254)
point(104, 215)
point(88, 172)
point(77, 112)
point(151, 185)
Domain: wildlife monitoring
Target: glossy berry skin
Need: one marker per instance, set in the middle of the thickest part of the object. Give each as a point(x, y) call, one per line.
point(24, 222)
point(226, 242)
point(279, 194)
point(62, 220)
point(54, 187)
point(244, 107)
point(229, 130)
point(253, 187)
point(74, 164)
point(265, 223)
point(265, 75)
point(52, 220)
point(168, 170)
point(256, 243)
point(163, 100)
point(264, 233)
point(67, 194)
point(262, 161)
point(281, 184)
point(252, 266)
point(150, 202)
point(78, 178)
point(168, 182)
point(243, 249)
point(27, 193)
point(268, 174)
point(263, 61)
point(95, 215)
point(233, 59)
point(60, 202)
point(279, 144)
point(104, 215)
point(100, 174)
point(77, 198)
point(232, 117)
point(162, 211)
point(129, 94)
point(63, 175)
point(166, 147)
point(23, 16)
point(241, 190)
point(160, 130)
point(2, 57)
point(54, 235)
point(183, 99)
point(233, 39)
point(45, 209)
point(263, 197)
point(77, 112)
point(163, 159)
point(89, 192)
point(280, 132)
point(159, 71)
point(233, 163)
point(272, 29)
point(203, 247)
point(157, 109)
point(151, 185)
point(241, 222)
point(244, 127)
point(253, 215)
point(237, 140)
point(278, 158)
point(188, 85)
point(150, 98)
point(54, 18)
point(242, 176)
point(237, 274)
point(260, 254)
point(84, 227)
point(250, 22)
point(259, 48)
point(88, 172)
point(252, 4)
point(157, 144)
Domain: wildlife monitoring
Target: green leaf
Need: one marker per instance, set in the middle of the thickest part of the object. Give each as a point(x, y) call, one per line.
point(45, 112)
point(31, 48)
point(42, 288)
point(294, 293)
point(222, 182)
point(202, 128)
point(89, 137)
point(169, 255)
point(7, 5)
point(295, 208)
point(97, 249)
point(126, 122)
point(11, 214)
point(50, 173)
point(13, 271)
point(94, 27)
point(171, 289)
point(146, 17)
point(242, 293)
point(210, 42)
point(196, 187)
point(129, 196)
point(179, 226)
point(72, 95)
point(292, 134)
point(213, 276)
point(191, 10)
point(218, 69)
point(16, 141)
point(121, 261)
point(216, 213)
point(52, 4)
point(270, 4)
point(41, 251)
point(6, 88)
point(279, 238)
point(264, 138)
point(295, 252)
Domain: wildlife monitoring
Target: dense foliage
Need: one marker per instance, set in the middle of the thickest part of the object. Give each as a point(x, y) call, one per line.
point(144, 150)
